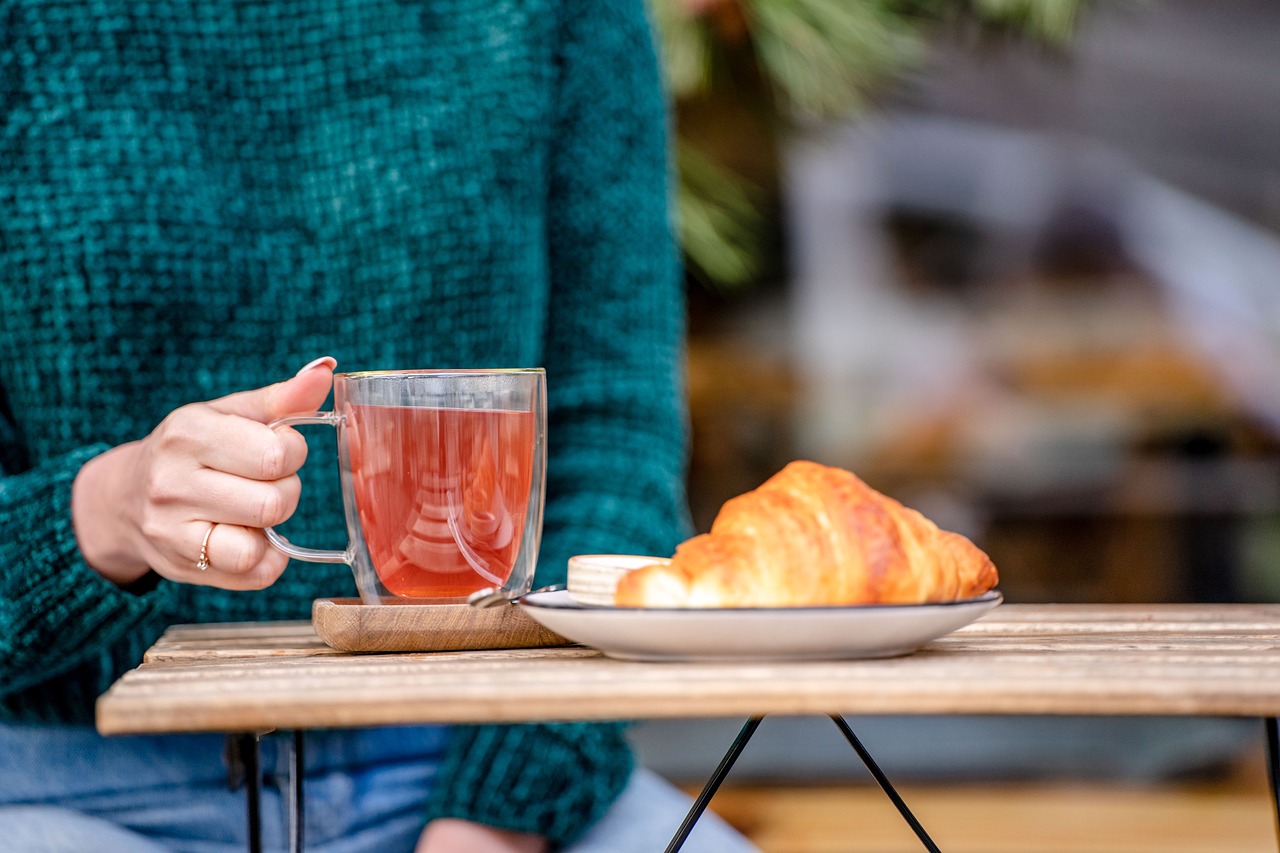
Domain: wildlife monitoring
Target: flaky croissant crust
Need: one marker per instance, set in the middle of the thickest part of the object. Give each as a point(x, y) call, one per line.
point(813, 535)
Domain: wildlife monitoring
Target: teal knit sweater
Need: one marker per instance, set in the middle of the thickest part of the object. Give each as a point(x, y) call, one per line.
point(201, 197)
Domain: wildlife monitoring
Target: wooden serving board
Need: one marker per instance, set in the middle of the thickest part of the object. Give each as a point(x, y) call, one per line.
point(350, 625)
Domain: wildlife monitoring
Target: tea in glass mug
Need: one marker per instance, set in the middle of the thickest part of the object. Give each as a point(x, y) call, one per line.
point(443, 480)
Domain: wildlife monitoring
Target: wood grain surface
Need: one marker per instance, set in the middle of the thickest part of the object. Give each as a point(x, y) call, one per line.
point(1019, 659)
point(349, 625)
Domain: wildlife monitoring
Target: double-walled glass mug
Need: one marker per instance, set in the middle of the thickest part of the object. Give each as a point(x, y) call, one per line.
point(443, 480)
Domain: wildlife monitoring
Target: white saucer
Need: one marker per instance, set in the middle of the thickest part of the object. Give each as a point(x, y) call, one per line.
point(758, 633)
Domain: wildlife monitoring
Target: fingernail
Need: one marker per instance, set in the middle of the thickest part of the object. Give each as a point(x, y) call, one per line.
point(324, 359)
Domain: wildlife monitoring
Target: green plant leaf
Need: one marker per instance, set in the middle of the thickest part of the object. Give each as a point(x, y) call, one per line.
point(718, 220)
point(824, 59)
point(827, 57)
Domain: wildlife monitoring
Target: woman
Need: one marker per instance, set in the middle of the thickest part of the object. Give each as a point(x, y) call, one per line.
point(197, 198)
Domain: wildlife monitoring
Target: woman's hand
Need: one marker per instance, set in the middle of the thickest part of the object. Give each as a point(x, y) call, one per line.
point(450, 835)
point(210, 468)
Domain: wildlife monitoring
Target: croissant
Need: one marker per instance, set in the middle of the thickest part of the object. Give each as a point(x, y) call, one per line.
point(813, 535)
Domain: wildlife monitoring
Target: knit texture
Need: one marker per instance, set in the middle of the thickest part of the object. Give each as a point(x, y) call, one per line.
point(200, 197)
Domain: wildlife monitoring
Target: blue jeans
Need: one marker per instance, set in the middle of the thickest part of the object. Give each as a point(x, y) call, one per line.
point(69, 790)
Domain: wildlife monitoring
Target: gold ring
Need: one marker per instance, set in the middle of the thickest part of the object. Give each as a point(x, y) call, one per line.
point(203, 563)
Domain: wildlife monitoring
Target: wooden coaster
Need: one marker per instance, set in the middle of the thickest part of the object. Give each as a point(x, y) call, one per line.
point(350, 625)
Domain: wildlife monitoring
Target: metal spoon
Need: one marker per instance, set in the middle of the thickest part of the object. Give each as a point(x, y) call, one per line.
point(493, 596)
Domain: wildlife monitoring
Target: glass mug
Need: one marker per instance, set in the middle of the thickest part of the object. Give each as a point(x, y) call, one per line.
point(443, 480)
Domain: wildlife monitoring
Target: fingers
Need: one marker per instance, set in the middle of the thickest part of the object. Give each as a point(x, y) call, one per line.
point(304, 392)
point(241, 446)
point(238, 558)
point(219, 463)
point(229, 499)
point(226, 467)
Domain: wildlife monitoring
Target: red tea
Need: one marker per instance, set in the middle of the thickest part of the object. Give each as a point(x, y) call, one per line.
point(442, 494)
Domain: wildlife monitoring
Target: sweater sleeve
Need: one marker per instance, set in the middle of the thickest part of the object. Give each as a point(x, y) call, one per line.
point(56, 613)
point(551, 779)
point(615, 357)
point(616, 422)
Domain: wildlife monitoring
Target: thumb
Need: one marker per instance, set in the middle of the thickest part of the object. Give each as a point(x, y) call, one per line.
point(304, 392)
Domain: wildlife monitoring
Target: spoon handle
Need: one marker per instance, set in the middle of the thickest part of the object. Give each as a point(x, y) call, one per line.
point(493, 596)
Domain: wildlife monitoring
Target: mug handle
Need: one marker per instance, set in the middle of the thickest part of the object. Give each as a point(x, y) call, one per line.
point(310, 555)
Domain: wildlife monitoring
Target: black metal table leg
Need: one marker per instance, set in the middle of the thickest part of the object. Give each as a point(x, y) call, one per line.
point(885, 784)
point(713, 784)
point(1273, 766)
point(297, 770)
point(245, 752)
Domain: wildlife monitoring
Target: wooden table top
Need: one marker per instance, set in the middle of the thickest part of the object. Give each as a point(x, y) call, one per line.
point(1019, 659)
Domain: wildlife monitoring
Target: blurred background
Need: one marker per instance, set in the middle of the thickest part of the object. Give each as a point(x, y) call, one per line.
point(1017, 264)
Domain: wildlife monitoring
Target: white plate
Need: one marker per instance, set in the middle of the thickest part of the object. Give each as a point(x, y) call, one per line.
point(757, 633)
